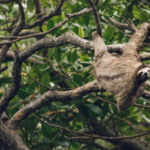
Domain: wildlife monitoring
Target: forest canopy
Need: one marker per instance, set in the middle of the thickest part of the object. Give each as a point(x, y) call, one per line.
point(49, 97)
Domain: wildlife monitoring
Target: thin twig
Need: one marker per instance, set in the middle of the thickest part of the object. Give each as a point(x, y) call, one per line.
point(96, 17)
point(39, 82)
point(108, 138)
point(17, 38)
point(129, 23)
point(87, 136)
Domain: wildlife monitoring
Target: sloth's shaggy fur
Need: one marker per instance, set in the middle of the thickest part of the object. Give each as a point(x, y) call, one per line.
point(122, 74)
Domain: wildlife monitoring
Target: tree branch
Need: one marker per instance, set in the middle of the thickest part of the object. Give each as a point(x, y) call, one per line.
point(59, 96)
point(66, 38)
point(14, 32)
point(130, 24)
point(12, 91)
point(69, 38)
point(96, 17)
point(38, 12)
point(10, 139)
point(120, 25)
point(32, 33)
point(3, 69)
point(52, 95)
point(10, 57)
point(145, 56)
point(87, 136)
point(46, 17)
point(125, 143)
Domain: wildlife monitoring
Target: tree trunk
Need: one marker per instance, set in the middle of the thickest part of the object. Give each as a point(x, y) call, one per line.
point(9, 137)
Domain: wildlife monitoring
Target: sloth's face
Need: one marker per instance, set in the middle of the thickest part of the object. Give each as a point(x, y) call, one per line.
point(143, 74)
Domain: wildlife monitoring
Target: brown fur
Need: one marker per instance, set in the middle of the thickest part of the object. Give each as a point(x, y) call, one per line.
point(117, 73)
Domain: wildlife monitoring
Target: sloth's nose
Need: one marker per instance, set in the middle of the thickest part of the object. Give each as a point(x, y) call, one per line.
point(145, 74)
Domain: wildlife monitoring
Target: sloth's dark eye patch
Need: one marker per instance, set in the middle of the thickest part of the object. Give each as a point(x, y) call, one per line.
point(140, 74)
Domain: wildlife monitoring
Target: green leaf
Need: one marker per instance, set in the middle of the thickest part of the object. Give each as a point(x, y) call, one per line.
point(87, 31)
point(30, 5)
point(109, 33)
point(140, 14)
point(69, 83)
point(5, 80)
point(77, 79)
point(5, 7)
point(50, 24)
point(63, 143)
point(54, 2)
point(69, 56)
point(95, 109)
point(73, 56)
point(24, 92)
point(14, 104)
point(143, 16)
point(148, 11)
point(26, 68)
point(56, 79)
point(45, 3)
point(45, 80)
point(57, 54)
point(84, 110)
point(44, 28)
point(135, 8)
point(106, 3)
point(45, 130)
point(48, 131)
point(63, 106)
point(80, 32)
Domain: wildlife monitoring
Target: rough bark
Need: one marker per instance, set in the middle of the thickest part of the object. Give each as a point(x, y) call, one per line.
point(9, 137)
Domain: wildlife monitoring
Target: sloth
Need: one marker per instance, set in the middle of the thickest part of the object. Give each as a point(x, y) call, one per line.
point(121, 72)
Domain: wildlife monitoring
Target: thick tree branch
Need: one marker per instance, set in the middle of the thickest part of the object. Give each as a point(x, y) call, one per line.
point(53, 95)
point(145, 56)
point(59, 96)
point(66, 38)
point(10, 56)
point(69, 38)
point(12, 91)
point(10, 139)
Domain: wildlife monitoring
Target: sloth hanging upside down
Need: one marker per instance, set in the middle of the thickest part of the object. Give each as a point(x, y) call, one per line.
point(121, 72)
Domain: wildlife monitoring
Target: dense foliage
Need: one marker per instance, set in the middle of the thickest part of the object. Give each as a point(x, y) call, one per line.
point(67, 67)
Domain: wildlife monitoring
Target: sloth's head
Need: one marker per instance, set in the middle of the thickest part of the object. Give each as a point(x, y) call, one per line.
point(143, 73)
